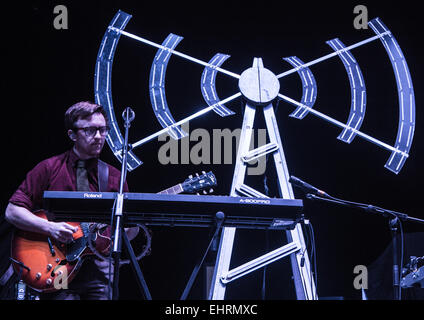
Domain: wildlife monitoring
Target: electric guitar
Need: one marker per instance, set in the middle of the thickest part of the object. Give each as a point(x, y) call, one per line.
point(47, 265)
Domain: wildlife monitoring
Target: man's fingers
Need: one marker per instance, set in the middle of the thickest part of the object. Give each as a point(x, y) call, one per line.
point(70, 227)
point(67, 231)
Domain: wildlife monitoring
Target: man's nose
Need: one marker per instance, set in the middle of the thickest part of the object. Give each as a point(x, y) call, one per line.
point(97, 134)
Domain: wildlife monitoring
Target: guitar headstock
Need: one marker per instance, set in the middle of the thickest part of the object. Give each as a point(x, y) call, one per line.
point(199, 182)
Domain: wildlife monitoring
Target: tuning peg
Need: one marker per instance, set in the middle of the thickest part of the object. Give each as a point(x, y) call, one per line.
point(197, 174)
point(204, 192)
point(190, 176)
point(203, 172)
point(198, 193)
point(211, 190)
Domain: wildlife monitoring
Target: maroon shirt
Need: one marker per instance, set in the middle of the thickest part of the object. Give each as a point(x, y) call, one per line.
point(58, 173)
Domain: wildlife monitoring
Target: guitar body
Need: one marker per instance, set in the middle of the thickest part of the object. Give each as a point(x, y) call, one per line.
point(52, 264)
point(47, 265)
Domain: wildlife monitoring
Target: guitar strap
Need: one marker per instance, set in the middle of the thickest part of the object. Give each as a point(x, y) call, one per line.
point(103, 175)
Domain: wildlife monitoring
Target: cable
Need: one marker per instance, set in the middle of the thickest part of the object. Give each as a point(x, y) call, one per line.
point(401, 256)
point(311, 241)
point(313, 255)
point(264, 269)
point(110, 252)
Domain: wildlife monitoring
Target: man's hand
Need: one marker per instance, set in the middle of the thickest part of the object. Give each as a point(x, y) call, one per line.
point(62, 231)
point(26, 220)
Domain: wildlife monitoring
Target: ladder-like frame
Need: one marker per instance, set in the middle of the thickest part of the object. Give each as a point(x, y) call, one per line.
point(296, 249)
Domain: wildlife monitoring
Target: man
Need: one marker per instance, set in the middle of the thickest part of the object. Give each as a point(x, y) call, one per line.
point(87, 126)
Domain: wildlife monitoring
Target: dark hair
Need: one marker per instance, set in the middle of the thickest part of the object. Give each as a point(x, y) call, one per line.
point(82, 110)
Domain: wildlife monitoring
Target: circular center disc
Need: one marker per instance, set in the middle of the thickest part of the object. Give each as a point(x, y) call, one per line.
point(259, 85)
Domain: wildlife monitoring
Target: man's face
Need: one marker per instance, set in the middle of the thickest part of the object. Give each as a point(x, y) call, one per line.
point(88, 145)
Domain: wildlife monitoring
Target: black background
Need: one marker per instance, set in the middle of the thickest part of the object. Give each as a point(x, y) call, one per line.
point(47, 70)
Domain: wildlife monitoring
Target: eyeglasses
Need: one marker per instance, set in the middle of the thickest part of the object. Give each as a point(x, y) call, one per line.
point(91, 131)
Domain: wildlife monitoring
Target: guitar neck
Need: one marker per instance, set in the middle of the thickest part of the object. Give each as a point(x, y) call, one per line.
point(173, 190)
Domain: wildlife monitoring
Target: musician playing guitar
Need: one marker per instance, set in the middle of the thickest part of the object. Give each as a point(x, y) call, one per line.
point(87, 126)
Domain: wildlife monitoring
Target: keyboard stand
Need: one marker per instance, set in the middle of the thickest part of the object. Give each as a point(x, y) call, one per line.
point(219, 220)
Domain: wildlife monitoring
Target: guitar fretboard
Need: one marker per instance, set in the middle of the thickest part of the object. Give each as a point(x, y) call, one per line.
point(173, 190)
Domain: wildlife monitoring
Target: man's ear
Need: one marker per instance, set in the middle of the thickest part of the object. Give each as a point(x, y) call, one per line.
point(72, 135)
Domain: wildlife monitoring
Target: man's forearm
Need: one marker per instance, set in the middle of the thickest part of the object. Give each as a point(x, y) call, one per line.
point(24, 219)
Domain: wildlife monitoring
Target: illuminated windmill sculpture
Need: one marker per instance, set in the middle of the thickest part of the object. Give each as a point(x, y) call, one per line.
point(260, 88)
